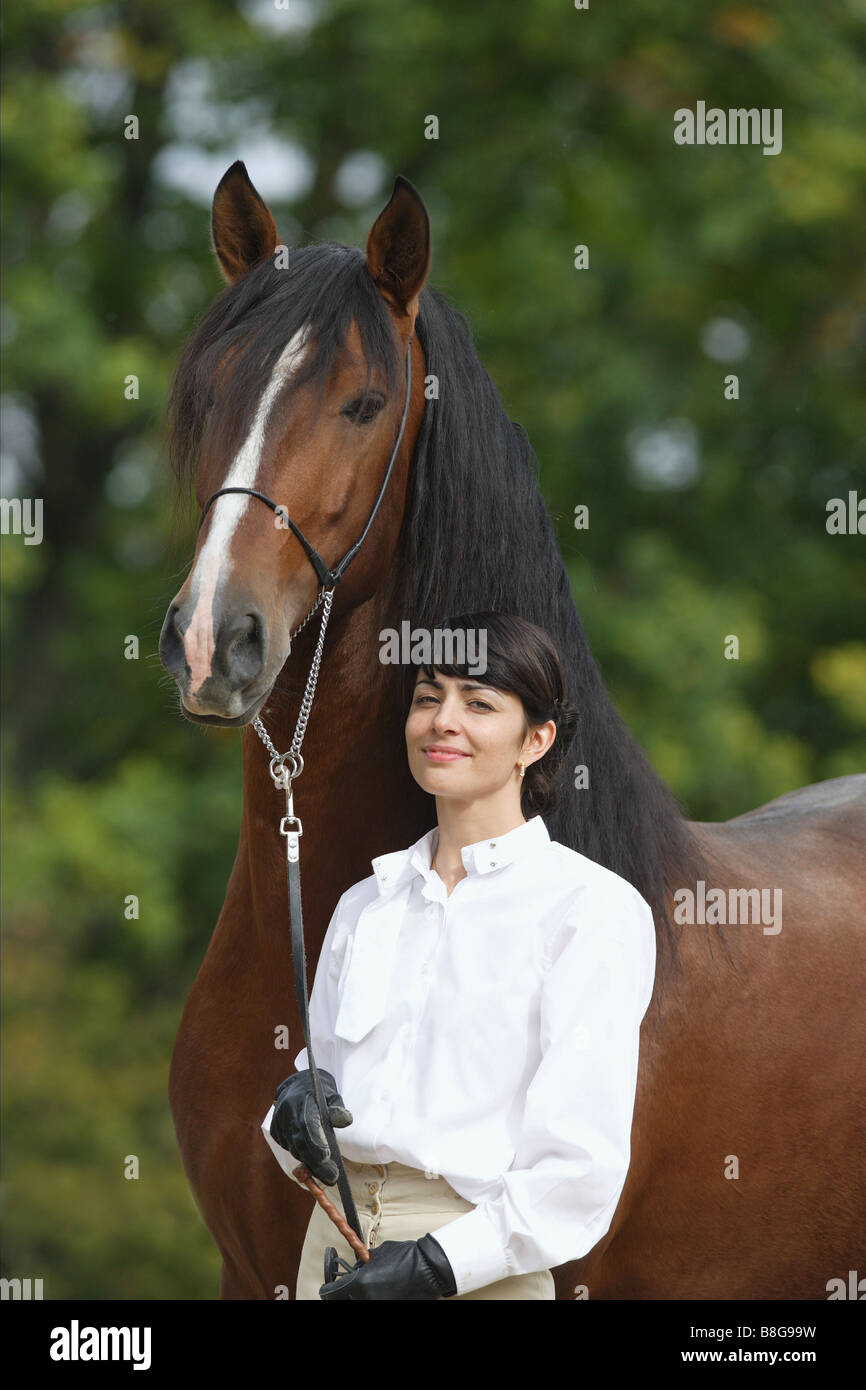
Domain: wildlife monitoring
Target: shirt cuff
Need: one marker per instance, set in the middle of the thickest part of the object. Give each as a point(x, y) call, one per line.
point(284, 1157)
point(302, 1061)
point(474, 1251)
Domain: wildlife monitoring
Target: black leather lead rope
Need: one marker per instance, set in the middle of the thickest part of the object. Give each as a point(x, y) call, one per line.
point(284, 768)
point(300, 967)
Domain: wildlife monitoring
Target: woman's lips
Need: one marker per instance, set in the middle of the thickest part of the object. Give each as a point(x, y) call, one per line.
point(440, 755)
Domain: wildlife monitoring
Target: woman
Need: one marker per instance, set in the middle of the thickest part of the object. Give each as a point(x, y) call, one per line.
point(477, 1002)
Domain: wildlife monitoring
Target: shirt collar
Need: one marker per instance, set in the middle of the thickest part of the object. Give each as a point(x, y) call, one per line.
point(484, 856)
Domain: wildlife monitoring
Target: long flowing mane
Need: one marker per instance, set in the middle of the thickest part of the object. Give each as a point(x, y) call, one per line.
point(476, 535)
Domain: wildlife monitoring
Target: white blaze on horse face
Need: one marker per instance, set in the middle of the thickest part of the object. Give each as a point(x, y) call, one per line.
point(226, 513)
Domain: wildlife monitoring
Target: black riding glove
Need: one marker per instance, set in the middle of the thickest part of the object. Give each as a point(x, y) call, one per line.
point(398, 1269)
point(296, 1126)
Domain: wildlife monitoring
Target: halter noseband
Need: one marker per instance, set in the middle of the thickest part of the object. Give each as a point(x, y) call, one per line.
point(327, 577)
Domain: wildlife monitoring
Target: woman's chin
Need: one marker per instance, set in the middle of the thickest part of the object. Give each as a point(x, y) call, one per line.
point(440, 780)
point(441, 786)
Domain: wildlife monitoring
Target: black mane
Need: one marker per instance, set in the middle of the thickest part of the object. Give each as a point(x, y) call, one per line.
point(476, 535)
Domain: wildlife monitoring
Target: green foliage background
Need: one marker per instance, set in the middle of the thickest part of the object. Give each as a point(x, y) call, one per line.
point(555, 130)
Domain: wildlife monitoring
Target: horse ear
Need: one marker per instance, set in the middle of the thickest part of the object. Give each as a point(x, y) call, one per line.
point(242, 229)
point(398, 247)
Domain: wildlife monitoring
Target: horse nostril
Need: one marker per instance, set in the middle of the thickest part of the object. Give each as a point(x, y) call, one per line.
point(241, 648)
point(172, 652)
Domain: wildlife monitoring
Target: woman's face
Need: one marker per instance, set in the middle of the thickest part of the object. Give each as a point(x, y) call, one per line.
point(479, 730)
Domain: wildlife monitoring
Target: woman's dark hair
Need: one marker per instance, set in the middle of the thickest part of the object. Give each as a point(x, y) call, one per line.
point(522, 660)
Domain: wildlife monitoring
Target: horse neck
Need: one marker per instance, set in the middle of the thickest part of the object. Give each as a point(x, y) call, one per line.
point(354, 772)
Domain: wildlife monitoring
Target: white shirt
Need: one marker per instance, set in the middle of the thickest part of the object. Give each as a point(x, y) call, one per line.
point(490, 1037)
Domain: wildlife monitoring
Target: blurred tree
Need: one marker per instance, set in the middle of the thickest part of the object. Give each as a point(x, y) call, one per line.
point(706, 514)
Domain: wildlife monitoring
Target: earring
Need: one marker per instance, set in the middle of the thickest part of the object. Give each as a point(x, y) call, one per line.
point(522, 767)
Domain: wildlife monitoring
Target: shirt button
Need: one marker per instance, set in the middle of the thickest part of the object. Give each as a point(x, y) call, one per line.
point(430, 911)
point(492, 844)
point(429, 1173)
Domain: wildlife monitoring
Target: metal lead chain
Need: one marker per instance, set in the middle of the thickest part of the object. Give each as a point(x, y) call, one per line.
point(283, 778)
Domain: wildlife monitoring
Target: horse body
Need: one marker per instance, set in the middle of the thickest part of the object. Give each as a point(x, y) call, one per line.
point(747, 1173)
point(749, 1062)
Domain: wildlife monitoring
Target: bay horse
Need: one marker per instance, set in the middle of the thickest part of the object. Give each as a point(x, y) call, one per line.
point(748, 1168)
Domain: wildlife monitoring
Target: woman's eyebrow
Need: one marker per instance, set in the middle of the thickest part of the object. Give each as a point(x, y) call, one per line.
point(464, 685)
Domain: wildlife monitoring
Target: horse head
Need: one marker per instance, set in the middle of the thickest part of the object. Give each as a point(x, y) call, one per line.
point(295, 385)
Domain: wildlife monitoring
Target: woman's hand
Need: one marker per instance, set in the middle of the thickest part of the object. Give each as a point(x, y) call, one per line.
point(296, 1125)
point(416, 1269)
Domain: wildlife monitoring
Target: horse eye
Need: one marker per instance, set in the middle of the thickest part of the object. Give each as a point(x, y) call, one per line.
point(364, 409)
